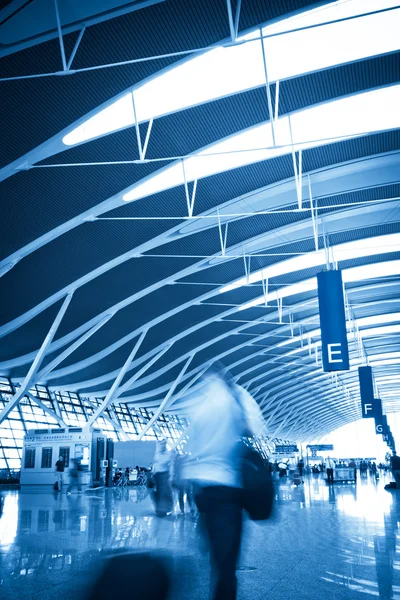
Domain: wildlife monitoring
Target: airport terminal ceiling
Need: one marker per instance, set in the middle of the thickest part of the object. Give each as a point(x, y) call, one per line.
point(174, 174)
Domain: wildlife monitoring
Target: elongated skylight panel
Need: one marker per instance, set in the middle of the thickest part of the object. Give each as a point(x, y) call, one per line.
point(332, 121)
point(364, 272)
point(223, 71)
point(357, 249)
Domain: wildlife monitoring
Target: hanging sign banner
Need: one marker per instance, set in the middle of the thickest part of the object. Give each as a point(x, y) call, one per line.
point(368, 407)
point(378, 415)
point(335, 350)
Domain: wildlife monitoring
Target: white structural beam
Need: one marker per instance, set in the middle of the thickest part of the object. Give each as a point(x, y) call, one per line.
point(30, 376)
point(110, 396)
point(46, 409)
point(139, 373)
point(164, 403)
point(59, 359)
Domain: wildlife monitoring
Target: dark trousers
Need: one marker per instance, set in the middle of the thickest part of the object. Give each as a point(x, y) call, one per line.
point(163, 493)
point(220, 509)
point(329, 475)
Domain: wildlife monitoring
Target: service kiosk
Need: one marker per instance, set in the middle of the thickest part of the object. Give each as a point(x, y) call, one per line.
point(42, 447)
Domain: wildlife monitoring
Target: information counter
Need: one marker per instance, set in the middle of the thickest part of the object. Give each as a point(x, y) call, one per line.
point(344, 474)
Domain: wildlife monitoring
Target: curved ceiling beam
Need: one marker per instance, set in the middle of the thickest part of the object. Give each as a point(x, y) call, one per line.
point(154, 375)
point(285, 230)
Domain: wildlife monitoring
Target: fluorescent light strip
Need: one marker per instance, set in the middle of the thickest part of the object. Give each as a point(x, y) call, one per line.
point(364, 272)
point(364, 333)
point(363, 322)
point(357, 249)
point(199, 80)
point(312, 127)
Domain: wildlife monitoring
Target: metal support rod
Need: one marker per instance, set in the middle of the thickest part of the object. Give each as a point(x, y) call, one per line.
point(222, 237)
point(276, 113)
point(298, 170)
point(110, 395)
point(139, 142)
point(47, 410)
point(189, 198)
point(268, 90)
point(75, 49)
point(59, 359)
point(164, 403)
point(314, 215)
point(279, 301)
point(60, 37)
point(139, 373)
point(291, 323)
point(147, 138)
point(265, 287)
point(237, 17)
point(246, 266)
point(230, 18)
point(30, 377)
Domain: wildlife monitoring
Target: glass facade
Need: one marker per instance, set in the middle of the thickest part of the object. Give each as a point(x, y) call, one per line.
point(118, 422)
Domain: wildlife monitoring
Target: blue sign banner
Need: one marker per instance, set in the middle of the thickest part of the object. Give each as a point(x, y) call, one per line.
point(321, 447)
point(335, 350)
point(368, 406)
point(287, 449)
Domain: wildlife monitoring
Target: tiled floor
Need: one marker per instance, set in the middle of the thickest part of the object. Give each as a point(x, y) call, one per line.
point(324, 543)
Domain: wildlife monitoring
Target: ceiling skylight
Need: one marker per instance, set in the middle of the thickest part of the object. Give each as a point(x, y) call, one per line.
point(347, 117)
point(363, 322)
point(199, 80)
point(371, 271)
point(357, 249)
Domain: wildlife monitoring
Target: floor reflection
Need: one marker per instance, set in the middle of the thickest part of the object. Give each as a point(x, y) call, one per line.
point(340, 541)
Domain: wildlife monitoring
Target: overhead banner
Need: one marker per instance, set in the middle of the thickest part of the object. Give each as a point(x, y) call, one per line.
point(320, 447)
point(368, 406)
point(335, 350)
point(286, 449)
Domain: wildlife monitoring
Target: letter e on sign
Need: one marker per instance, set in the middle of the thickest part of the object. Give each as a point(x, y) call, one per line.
point(332, 352)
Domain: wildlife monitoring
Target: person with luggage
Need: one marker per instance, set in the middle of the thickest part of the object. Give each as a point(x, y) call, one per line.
point(60, 467)
point(301, 467)
point(224, 412)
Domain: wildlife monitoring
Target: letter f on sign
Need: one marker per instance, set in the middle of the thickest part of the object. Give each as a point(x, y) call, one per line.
point(367, 408)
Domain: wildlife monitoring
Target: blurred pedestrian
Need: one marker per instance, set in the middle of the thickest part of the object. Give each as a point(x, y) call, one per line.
point(183, 487)
point(224, 412)
point(161, 470)
point(74, 476)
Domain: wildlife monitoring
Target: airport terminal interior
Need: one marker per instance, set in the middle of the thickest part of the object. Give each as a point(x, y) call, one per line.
point(199, 279)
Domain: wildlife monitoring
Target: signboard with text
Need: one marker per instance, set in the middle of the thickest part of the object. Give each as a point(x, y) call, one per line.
point(335, 350)
point(287, 449)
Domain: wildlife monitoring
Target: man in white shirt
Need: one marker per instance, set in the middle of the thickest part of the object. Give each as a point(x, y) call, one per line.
point(224, 412)
point(330, 466)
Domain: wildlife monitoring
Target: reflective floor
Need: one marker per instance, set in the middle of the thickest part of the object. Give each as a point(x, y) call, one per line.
point(324, 543)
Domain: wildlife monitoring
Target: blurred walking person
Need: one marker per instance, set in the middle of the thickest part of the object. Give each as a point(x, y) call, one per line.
point(74, 476)
point(224, 412)
point(161, 470)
